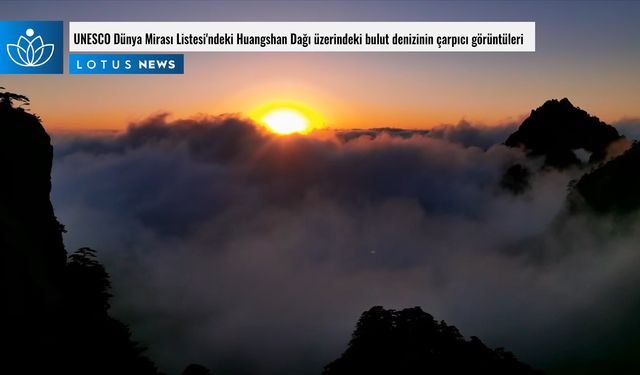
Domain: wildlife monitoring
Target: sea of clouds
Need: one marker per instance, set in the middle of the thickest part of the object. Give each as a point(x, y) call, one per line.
point(254, 253)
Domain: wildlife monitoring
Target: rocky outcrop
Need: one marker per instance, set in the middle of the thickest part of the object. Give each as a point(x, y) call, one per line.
point(33, 254)
point(557, 129)
point(410, 341)
point(613, 188)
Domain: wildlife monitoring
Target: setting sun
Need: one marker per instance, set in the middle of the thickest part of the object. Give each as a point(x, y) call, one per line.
point(286, 121)
point(287, 117)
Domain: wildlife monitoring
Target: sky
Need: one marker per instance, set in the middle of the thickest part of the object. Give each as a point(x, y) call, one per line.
point(585, 51)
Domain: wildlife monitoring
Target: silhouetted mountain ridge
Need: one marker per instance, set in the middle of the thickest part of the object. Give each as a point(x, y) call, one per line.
point(557, 128)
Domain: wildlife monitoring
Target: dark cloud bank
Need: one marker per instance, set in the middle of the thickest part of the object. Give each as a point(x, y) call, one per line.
point(255, 253)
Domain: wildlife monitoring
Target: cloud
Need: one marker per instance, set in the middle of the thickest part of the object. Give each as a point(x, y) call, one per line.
point(246, 251)
point(469, 134)
point(629, 127)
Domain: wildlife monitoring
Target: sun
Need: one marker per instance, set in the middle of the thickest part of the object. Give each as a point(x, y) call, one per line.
point(287, 117)
point(286, 121)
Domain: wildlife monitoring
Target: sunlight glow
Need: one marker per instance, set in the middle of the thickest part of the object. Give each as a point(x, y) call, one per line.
point(287, 117)
point(286, 121)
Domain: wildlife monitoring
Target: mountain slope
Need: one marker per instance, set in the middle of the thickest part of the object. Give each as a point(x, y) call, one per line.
point(612, 188)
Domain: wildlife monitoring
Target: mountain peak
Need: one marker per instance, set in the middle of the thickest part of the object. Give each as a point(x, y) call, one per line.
point(565, 101)
point(558, 128)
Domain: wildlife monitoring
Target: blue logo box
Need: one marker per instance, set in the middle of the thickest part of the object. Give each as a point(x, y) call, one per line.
point(126, 63)
point(31, 47)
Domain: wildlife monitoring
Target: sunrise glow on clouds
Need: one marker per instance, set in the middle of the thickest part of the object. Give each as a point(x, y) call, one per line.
point(351, 90)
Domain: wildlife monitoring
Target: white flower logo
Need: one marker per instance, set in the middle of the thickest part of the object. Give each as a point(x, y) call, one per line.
point(30, 52)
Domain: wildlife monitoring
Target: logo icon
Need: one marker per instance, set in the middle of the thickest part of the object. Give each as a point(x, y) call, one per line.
point(30, 51)
point(31, 47)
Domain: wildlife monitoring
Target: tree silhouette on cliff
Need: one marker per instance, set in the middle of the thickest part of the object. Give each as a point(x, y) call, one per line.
point(55, 316)
point(99, 344)
point(7, 98)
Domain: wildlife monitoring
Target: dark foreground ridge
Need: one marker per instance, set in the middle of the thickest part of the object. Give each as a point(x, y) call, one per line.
point(410, 341)
point(557, 128)
point(55, 316)
point(613, 188)
point(33, 255)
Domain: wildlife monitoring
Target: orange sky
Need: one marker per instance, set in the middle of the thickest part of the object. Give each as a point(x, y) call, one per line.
point(387, 91)
point(587, 53)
